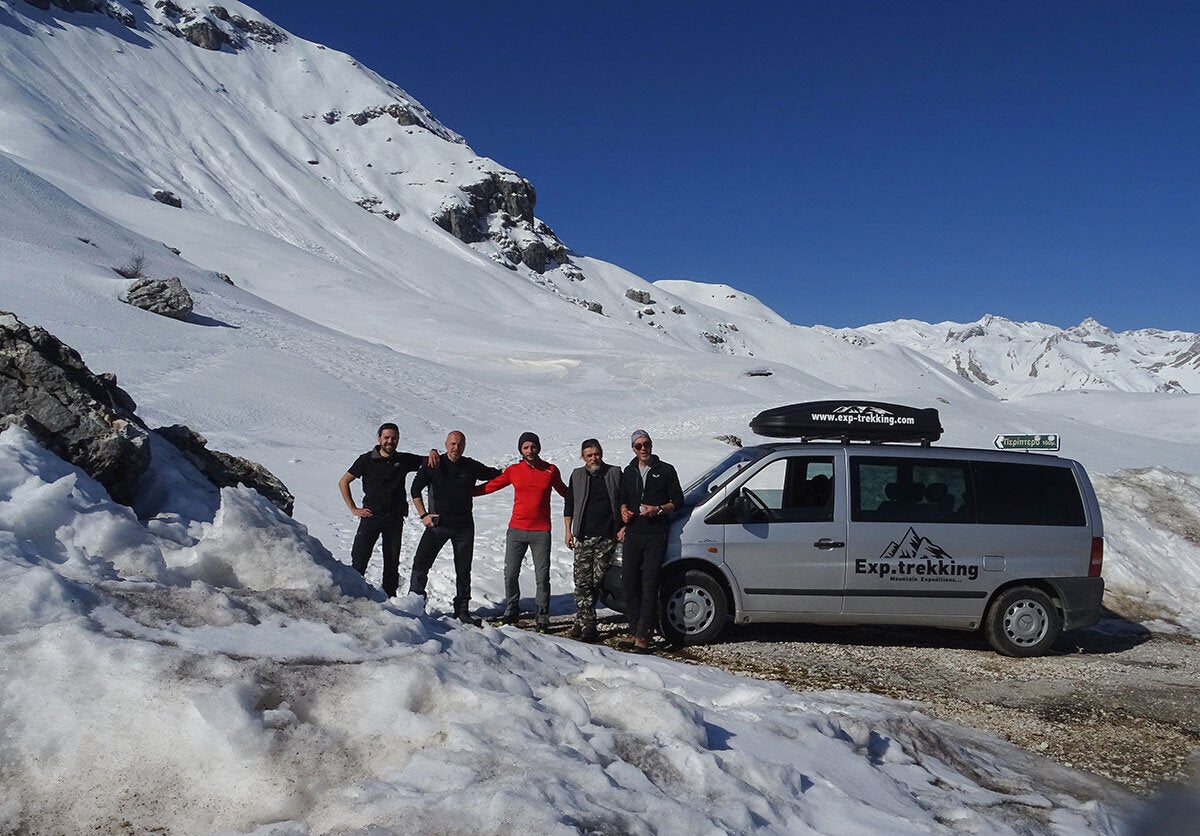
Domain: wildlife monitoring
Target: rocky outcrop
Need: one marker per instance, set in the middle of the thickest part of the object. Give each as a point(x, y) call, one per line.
point(89, 421)
point(215, 28)
point(84, 418)
point(114, 10)
point(168, 197)
point(642, 297)
point(166, 297)
point(499, 207)
point(225, 470)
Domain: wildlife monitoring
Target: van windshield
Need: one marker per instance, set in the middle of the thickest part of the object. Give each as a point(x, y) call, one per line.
point(715, 478)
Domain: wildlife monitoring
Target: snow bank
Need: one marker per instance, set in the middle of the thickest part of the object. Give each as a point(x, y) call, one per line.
point(1152, 542)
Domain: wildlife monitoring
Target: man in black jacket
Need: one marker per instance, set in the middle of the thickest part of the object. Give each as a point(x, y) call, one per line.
point(650, 493)
point(384, 505)
point(449, 518)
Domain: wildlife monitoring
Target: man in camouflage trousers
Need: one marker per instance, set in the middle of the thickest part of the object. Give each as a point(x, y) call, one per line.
point(592, 514)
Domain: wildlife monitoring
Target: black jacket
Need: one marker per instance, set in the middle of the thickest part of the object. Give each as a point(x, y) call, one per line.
point(661, 487)
point(451, 486)
point(383, 480)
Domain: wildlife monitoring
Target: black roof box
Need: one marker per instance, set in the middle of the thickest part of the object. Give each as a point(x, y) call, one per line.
point(849, 421)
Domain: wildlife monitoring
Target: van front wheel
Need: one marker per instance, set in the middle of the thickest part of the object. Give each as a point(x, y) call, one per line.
point(693, 608)
point(1022, 621)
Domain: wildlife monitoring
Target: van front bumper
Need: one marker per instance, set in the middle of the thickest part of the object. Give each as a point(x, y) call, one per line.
point(1081, 600)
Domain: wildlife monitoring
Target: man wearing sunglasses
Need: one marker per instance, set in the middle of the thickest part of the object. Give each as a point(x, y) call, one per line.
point(650, 493)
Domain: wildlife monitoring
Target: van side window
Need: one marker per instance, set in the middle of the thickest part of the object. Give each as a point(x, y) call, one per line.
point(909, 490)
point(1026, 494)
point(797, 489)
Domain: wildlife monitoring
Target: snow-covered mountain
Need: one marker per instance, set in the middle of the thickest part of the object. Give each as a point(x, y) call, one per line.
point(1013, 359)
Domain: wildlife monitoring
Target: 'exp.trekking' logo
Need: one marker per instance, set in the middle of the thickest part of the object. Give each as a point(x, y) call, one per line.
point(914, 558)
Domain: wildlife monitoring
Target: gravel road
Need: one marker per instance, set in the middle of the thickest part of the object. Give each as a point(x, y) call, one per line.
point(1116, 699)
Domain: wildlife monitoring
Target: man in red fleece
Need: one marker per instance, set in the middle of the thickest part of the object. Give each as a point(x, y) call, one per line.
point(532, 479)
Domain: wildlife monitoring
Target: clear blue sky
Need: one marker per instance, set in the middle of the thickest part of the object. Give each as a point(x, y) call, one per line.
point(846, 162)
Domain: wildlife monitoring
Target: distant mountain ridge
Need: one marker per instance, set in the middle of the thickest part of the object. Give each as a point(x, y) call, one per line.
point(1013, 359)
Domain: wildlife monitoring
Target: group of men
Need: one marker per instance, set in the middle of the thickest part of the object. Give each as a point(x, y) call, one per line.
point(604, 507)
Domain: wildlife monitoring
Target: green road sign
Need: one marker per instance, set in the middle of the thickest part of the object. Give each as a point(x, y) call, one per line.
point(1045, 441)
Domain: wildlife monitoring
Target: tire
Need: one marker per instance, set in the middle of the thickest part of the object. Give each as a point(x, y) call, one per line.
point(692, 608)
point(1022, 621)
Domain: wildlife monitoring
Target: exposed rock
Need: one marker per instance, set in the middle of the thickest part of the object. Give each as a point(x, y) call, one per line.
point(759, 372)
point(225, 278)
point(460, 221)
point(259, 30)
point(535, 256)
point(168, 197)
point(715, 339)
point(89, 421)
point(642, 297)
point(84, 418)
point(206, 34)
point(594, 307)
point(678, 309)
point(167, 297)
point(225, 470)
point(731, 440)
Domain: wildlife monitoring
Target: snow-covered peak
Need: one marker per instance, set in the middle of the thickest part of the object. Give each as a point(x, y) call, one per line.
point(1015, 359)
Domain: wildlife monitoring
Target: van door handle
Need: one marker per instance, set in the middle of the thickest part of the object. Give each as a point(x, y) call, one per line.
point(826, 543)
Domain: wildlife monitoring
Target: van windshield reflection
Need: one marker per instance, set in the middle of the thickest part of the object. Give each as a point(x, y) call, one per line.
point(715, 479)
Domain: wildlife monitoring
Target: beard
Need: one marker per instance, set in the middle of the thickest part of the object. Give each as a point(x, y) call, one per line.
point(592, 467)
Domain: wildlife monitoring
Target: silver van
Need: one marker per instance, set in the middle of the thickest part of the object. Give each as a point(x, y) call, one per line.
point(876, 526)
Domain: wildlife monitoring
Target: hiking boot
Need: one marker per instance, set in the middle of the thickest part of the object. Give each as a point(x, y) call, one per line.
point(590, 635)
point(640, 645)
point(466, 618)
point(626, 641)
point(576, 632)
point(512, 619)
point(543, 624)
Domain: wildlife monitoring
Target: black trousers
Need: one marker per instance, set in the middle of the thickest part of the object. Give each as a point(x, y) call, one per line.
point(462, 539)
point(642, 555)
point(391, 526)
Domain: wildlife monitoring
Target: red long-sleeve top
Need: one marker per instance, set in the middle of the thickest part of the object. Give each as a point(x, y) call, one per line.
point(531, 486)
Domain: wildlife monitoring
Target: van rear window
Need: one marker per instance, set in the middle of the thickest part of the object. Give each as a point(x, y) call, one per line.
point(1026, 494)
point(946, 491)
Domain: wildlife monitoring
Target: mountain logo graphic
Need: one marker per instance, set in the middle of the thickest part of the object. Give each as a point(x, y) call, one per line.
point(857, 409)
point(913, 546)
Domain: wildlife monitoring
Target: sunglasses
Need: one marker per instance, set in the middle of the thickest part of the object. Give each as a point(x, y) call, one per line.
point(642, 445)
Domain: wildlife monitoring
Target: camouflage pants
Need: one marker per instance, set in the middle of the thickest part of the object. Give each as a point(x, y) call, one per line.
point(593, 555)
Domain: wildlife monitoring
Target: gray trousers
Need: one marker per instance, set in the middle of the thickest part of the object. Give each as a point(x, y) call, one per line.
point(515, 544)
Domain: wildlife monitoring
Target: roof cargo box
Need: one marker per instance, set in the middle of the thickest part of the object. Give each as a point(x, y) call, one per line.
point(849, 421)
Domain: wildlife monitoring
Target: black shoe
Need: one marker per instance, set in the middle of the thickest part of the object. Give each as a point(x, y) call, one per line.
point(466, 618)
point(576, 632)
point(512, 619)
point(591, 636)
point(543, 624)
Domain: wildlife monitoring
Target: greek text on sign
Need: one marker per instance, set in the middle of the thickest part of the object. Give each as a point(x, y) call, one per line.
point(1045, 441)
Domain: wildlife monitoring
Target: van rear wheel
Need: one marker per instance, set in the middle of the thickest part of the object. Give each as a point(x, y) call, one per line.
point(693, 609)
point(1022, 621)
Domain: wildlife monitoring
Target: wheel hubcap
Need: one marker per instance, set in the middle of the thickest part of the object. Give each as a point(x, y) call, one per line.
point(1026, 623)
point(690, 609)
